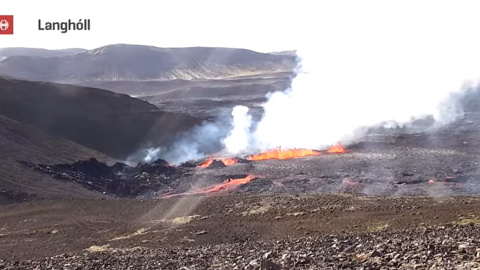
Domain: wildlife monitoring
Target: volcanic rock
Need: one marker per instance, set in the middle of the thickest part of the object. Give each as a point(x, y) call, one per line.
point(159, 166)
point(118, 180)
point(244, 160)
point(93, 167)
point(216, 164)
point(266, 264)
point(189, 164)
point(161, 162)
point(406, 247)
point(119, 167)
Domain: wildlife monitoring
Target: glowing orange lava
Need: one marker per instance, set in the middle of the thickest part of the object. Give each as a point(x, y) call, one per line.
point(229, 161)
point(206, 163)
point(278, 153)
point(226, 161)
point(337, 148)
point(226, 185)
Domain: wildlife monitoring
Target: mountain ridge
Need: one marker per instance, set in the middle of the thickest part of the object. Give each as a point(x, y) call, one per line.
point(138, 62)
point(40, 52)
point(111, 123)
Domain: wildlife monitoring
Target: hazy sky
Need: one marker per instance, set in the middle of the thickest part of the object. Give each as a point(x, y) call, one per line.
point(254, 24)
point(259, 25)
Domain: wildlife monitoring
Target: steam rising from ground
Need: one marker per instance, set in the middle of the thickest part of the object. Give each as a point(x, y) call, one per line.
point(192, 145)
point(362, 64)
point(238, 137)
point(366, 69)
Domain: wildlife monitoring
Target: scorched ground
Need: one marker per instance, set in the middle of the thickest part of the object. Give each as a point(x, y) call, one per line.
point(392, 200)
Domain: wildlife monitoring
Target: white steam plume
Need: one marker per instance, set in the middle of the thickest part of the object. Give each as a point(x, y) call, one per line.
point(192, 145)
point(364, 65)
point(152, 154)
point(238, 138)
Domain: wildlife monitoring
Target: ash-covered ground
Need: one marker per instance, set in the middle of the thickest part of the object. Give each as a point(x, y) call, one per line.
point(442, 161)
point(288, 231)
point(302, 213)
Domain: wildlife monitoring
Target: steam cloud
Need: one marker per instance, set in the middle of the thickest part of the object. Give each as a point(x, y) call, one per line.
point(381, 69)
point(359, 68)
point(238, 139)
point(195, 144)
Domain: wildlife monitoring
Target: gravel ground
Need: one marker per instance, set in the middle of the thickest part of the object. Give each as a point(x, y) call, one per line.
point(285, 219)
point(441, 247)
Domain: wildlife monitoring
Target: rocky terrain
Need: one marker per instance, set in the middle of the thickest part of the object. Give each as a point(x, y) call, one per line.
point(119, 179)
point(445, 247)
point(400, 198)
point(315, 212)
point(19, 141)
point(201, 82)
point(208, 99)
point(439, 161)
point(294, 231)
point(46, 123)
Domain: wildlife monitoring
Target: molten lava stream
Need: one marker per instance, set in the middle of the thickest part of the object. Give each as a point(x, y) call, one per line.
point(226, 185)
point(206, 163)
point(337, 148)
point(229, 161)
point(226, 161)
point(278, 153)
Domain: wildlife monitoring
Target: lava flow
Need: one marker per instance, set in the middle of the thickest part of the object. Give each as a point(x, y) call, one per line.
point(226, 185)
point(278, 153)
point(226, 161)
point(337, 148)
point(229, 161)
point(206, 163)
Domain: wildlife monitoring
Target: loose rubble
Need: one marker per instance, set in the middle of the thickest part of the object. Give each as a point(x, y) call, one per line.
point(441, 247)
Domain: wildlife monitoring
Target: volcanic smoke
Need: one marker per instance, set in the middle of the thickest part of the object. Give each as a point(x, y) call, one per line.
point(361, 70)
point(357, 68)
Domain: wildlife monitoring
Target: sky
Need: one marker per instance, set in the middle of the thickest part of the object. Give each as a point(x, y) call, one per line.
point(258, 25)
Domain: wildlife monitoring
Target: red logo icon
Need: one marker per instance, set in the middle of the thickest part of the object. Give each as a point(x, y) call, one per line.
point(6, 24)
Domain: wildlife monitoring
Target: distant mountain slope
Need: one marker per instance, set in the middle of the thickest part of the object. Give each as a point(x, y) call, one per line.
point(114, 124)
point(19, 141)
point(19, 51)
point(134, 62)
point(182, 89)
